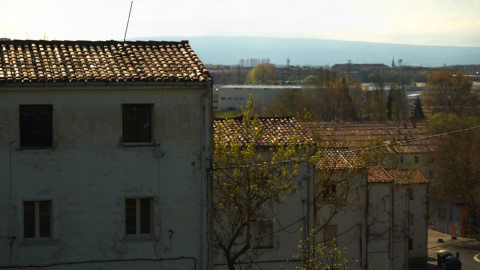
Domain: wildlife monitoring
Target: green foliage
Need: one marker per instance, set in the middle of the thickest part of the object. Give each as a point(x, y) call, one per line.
point(226, 114)
point(311, 80)
point(418, 114)
point(247, 179)
point(446, 122)
point(320, 256)
point(457, 156)
point(263, 74)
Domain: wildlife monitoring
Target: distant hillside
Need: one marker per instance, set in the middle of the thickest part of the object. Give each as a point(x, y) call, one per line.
point(303, 51)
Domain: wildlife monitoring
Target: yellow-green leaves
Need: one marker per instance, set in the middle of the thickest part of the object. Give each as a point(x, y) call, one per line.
point(248, 177)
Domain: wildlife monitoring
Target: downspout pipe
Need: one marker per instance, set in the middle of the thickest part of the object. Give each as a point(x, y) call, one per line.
point(392, 224)
point(205, 183)
point(407, 229)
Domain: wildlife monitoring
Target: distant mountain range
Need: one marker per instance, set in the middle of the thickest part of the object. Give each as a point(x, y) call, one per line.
point(316, 52)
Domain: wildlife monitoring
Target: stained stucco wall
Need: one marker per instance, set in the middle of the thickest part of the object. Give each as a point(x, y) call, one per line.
point(88, 174)
point(290, 218)
point(418, 224)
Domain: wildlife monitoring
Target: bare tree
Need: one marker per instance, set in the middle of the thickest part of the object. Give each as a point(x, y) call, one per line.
point(458, 156)
point(449, 92)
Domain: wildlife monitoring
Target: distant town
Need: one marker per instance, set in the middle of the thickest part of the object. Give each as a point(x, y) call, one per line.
point(137, 155)
point(234, 85)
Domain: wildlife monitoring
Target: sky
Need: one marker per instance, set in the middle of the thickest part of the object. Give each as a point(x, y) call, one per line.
point(416, 22)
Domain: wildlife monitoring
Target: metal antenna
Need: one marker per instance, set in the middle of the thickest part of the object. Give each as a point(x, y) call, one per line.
point(125, 36)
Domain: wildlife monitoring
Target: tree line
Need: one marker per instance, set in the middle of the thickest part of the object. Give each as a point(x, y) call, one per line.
point(287, 75)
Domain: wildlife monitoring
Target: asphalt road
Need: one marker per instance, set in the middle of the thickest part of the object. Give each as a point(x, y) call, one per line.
point(467, 248)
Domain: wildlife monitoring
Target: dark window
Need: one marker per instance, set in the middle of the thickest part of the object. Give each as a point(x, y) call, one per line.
point(416, 159)
point(263, 234)
point(138, 216)
point(137, 123)
point(37, 219)
point(410, 243)
point(36, 126)
point(329, 191)
point(29, 219)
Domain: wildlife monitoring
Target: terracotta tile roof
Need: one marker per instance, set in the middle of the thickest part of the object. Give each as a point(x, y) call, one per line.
point(24, 61)
point(378, 174)
point(276, 130)
point(405, 177)
point(339, 159)
point(353, 134)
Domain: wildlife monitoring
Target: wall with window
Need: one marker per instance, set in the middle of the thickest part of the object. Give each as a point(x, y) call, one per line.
point(275, 239)
point(379, 226)
point(103, 176)
point(339, 199)
point(418, 224)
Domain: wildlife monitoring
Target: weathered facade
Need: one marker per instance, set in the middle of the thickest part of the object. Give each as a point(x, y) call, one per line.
point(104, 153)
point(273, 245)
point(378, 214)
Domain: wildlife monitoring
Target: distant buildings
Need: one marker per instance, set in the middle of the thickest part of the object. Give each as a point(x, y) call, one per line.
point(251, 62)
point(231, 97)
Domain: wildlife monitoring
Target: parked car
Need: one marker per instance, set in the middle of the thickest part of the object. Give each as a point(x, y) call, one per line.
point(453, 263)
point(447, 260)
point(441, 256)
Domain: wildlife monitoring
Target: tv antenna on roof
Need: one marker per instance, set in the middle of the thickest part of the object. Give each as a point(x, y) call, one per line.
point(125, 36)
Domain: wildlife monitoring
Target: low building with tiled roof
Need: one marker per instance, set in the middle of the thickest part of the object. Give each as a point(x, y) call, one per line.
point(378, 174)
point(339, 159)
point(406, 144)
point(276, 130)
point(346, 198)
point(106, 149)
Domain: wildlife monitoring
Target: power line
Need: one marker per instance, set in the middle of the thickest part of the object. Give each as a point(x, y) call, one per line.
point(401, 143)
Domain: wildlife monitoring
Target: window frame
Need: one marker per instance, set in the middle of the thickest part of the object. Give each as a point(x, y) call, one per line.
point(138, 218)
point(37, 220)
point(263, 239)
point(329, 191)
point(137, 141)
point(25, 126)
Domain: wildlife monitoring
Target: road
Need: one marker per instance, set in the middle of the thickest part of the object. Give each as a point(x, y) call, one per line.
point(467, 248)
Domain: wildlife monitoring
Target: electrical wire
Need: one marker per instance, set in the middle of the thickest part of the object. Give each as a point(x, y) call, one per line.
point(102, 261)
point(298, 160)
point(280, 225)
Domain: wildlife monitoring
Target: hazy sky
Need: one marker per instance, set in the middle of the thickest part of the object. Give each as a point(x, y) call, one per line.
point(420, 22)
